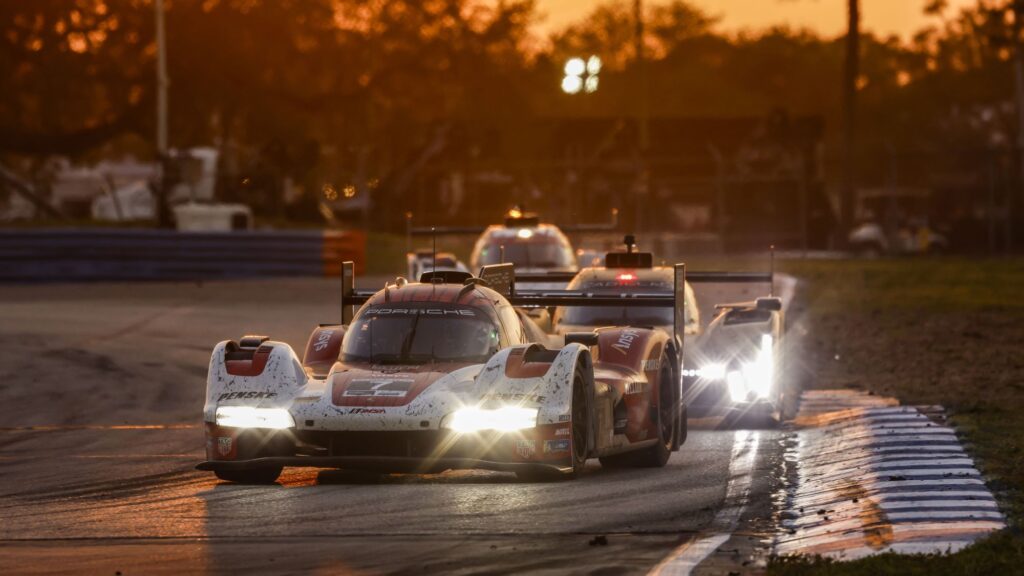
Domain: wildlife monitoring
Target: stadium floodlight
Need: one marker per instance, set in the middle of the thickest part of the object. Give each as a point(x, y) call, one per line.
point(581, 75)
point(572, 84)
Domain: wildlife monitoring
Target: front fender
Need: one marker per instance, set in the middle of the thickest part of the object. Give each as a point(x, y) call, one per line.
point(532, 375)
point(272, 380)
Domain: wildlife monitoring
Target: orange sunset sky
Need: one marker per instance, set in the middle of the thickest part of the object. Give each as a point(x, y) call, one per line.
point(901, 17)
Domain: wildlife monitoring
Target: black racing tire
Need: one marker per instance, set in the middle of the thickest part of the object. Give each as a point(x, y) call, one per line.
point(255, 476)
point(655, 456)
point(580, 438)
point(684, 425)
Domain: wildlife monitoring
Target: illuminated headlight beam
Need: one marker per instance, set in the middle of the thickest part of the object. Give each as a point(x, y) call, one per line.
point(754, 380)
point(252, 417)
point(504, 419)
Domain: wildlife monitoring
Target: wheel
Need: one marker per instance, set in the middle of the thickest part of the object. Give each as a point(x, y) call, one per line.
point(668, 417)
point(580, 434)
point(255, 476)
point(684, 426)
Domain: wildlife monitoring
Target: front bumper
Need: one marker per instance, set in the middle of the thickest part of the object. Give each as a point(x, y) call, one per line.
point(389, 464)
point(545, 448)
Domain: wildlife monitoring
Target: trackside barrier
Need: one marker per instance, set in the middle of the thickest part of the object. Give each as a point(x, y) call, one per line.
point(110, 254)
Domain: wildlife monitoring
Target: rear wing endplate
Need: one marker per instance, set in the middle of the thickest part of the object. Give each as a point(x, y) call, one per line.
point(350, 297)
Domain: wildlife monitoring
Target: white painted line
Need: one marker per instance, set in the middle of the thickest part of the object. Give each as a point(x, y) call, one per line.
point(682, 560)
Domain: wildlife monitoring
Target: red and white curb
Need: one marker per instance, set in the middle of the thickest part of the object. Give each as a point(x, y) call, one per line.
point(874, 477)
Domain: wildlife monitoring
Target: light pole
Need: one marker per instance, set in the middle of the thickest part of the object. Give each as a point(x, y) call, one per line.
point(643, 116)
point(161, 81)
point(163, 214)
point(851, 72)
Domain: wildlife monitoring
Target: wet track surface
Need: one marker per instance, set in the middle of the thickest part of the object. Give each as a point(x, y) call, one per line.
point(100, 397)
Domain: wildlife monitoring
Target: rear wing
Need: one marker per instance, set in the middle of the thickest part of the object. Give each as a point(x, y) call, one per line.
point(543, 298)
point(691, 277)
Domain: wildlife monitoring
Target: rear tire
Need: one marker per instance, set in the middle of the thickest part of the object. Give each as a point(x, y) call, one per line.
point(256, 476)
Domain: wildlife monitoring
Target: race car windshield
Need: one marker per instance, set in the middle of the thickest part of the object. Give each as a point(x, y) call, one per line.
point(423, 334)
point(549, 254)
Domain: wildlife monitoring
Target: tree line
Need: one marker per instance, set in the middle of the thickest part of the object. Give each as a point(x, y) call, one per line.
point(369, 91)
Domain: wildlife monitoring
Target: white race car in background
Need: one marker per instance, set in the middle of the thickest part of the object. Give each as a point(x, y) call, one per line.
point(736, 365)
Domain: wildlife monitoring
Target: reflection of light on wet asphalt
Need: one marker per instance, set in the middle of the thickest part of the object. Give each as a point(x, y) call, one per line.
point(74, 427)
point(685, 558)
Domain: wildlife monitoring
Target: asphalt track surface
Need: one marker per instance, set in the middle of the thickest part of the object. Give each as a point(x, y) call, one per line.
point(101, 390)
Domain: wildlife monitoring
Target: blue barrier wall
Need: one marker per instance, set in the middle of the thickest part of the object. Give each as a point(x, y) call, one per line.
point(107, 254)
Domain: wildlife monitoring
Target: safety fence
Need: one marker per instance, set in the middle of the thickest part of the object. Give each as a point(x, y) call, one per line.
point(111, 255)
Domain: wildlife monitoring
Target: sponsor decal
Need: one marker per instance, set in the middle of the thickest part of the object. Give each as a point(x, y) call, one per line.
point(379, 388)
point(652, 365)
point(224, 445)
point(631, 284)
point(366, 411)
point(516, 397)
point(563, 431)
point(420, 311)
point(564, 417)
point(323, 340)
point(552, 446)
point(626, 338)
point(634, 387)
point(526, 448)
point(246, 395)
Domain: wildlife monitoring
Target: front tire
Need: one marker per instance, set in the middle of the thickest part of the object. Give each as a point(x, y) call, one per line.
point(668, 417)
point(256, 476)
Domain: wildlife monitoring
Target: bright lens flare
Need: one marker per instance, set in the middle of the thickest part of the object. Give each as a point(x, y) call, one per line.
point(506, 419)
point(575, 67)
point(572, 84)
point(737, 386)
point(754, 380)
point(250, 417)
point(524, 233)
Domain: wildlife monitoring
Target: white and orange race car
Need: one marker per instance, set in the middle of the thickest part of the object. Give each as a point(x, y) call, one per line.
point(449, 373)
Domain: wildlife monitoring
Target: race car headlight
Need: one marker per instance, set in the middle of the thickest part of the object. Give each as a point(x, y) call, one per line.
point(504, 419)
point(737, 385)
point(251, 417)
point(753, 379)
point(711, 371)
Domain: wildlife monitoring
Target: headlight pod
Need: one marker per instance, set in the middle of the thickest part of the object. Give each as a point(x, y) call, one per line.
point(504, 419)
point(753, 380)
point(251, 417)
point(713, 371)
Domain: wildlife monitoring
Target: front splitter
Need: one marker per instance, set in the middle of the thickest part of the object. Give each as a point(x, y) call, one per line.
point(382, 464)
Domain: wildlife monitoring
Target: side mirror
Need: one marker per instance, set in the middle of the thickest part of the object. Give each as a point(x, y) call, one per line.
point(773, 304)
